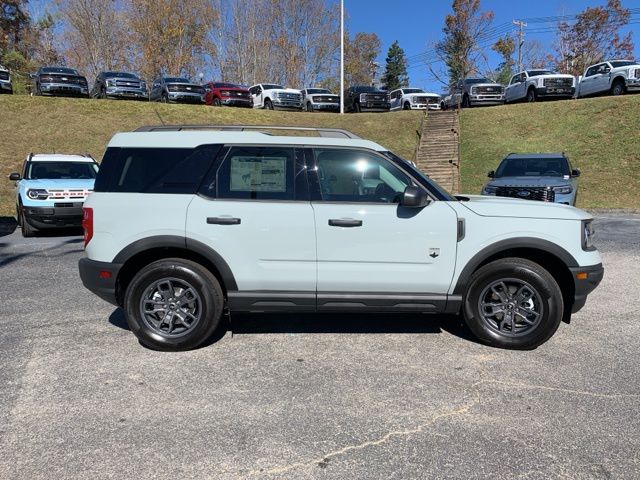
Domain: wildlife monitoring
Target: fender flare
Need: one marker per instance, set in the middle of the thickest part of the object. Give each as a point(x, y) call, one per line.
point(175, 241)
point(541, 245)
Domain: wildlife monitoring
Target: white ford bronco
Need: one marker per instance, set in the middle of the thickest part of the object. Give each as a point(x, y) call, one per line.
point(232, 219)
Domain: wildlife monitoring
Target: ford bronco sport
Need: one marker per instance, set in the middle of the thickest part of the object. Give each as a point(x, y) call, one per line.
point(241, 220)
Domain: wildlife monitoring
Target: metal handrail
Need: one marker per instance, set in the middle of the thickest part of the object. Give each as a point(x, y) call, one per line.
point(323, 132)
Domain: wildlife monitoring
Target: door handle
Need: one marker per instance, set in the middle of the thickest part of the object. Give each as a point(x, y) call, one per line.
point(223, 221)
point(344, 222)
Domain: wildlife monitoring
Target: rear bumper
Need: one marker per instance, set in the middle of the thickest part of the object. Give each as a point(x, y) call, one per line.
point(90, 274)
point(53, 217)
point(583, 287)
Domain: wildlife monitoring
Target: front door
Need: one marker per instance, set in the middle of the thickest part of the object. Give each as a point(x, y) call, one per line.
point(371, 251)
point(254, 211)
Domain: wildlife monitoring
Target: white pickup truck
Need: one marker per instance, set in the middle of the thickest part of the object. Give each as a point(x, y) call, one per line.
point(614, 76)
point(271, 96)
point(532, 85)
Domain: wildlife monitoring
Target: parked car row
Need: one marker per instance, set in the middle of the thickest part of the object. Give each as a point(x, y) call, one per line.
point(614, 77)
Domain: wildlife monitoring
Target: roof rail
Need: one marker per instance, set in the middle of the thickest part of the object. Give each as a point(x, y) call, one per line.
point(323, 132)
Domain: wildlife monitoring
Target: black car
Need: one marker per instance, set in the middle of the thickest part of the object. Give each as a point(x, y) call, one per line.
point(119, 85)
point(363, 98)
point(60, 81)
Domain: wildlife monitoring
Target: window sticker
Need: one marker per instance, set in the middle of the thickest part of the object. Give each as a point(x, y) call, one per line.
point(258, 174)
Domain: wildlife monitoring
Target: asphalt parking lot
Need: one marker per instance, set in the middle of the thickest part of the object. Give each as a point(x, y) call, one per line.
point(336, 397)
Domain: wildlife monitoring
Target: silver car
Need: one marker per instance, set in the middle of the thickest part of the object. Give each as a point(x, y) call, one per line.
point(546, 177)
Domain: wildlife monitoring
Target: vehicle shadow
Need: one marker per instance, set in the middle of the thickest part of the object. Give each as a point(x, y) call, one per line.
point(8, 225)
point(60, 232)
point(49, 252)
point(323, 323)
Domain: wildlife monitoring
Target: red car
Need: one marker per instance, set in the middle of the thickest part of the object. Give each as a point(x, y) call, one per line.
point(218, 94)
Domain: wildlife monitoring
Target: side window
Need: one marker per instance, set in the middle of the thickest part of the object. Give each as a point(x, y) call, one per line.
point(358, 176)
point(154, 170)
point(259, 173)
point(515, 79)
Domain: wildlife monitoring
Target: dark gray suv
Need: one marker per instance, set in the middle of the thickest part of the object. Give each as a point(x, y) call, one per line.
point(119, 85)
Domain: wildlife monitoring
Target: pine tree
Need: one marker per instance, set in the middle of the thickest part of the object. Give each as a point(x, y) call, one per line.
point(395, 75)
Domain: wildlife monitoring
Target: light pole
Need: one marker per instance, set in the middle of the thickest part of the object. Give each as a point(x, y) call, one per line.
point(341, 57)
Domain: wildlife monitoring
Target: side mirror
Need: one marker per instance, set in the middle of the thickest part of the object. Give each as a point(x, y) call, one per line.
point(575, 172)
point(607, 69)
point(414, 197)
point(14, 177)
point(491, 174)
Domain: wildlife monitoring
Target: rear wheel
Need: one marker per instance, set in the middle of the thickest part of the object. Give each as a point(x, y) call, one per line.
point(617, 88)
point(173, 304)
point(513, 303)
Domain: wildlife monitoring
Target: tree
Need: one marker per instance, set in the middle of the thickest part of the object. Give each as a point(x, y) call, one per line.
point(395, 74)
point(360, 54)
point(594, 36)
point(463, 30)
point(505, 46)
point(14, 22)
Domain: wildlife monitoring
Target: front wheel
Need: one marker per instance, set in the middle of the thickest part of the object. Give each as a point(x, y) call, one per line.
point(26, 229)
point(173, 304)
point(531, 95)
point(216, 102)
point(466, 103)
point(268, 105)
point(513, 303)
point(617, 88)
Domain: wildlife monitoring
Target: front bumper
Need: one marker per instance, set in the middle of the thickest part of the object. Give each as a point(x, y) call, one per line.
point(119, 92)
point(237, 102)
point(633, 84)
point(555, 92)
point(184, 97)
point(287, 104)
point(330, 107)
point(63, 89)
point(375, 106)
point(54, 216)
point(95, 279)
point(583, 287)
point(487, 99)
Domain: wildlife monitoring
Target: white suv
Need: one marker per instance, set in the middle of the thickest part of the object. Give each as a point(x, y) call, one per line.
point(187, 222)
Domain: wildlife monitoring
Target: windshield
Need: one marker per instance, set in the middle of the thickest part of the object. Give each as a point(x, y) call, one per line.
point(623, 63)
point(368, 90)
point(413, 90)
point(120, 75)
point(61, 170)
point(311, 91)
point(69, 71)
point(225, 85)
point(269, 86)
point(176, 80)
point(440, 192)
point(533, 167)
point(471, 81)
point(535, 73)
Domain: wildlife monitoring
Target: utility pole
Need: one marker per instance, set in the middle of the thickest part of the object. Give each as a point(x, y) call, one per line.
point(342, 57)
point(521, 25)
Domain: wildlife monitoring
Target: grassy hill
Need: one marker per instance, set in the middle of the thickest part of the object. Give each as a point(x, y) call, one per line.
point(601, 136)
point(67, 125)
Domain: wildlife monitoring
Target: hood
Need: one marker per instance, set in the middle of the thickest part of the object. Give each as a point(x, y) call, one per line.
point(189, 84)
point(286, 90)
point(488, 84)
point(59, 183)
point(554, 75)
point(529, 181)
point(488, 206)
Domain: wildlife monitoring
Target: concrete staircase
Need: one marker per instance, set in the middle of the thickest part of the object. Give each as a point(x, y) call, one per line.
point(438, 153)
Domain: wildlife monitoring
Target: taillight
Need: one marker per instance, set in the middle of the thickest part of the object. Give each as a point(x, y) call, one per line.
point(87, 224)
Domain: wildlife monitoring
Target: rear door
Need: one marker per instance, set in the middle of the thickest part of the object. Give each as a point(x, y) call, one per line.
point(372, 252)
point(254, 211)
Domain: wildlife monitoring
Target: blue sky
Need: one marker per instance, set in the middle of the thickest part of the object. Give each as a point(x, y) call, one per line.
point(417, 24)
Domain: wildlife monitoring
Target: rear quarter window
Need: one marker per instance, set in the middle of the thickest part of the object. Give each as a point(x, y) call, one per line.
point(154, 170)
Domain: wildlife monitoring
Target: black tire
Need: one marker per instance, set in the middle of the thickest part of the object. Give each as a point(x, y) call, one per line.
point(103, 94)
point(546, 300)
point(618, 88)
point(407, 106)
point(531, 95)
point(209, 304)
point(216, 102)
point(357, 108)
point(466, 103)
point(164, 98)
point(268, 105)
point(26, 229)
point(310, 107)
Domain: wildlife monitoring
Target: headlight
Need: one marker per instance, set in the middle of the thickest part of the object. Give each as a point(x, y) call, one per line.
point(488, 190)
point(111, 82)
point(37, 194)
point(565, 189)
point(414, 99)
point(588, 234)
point(143, 85)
